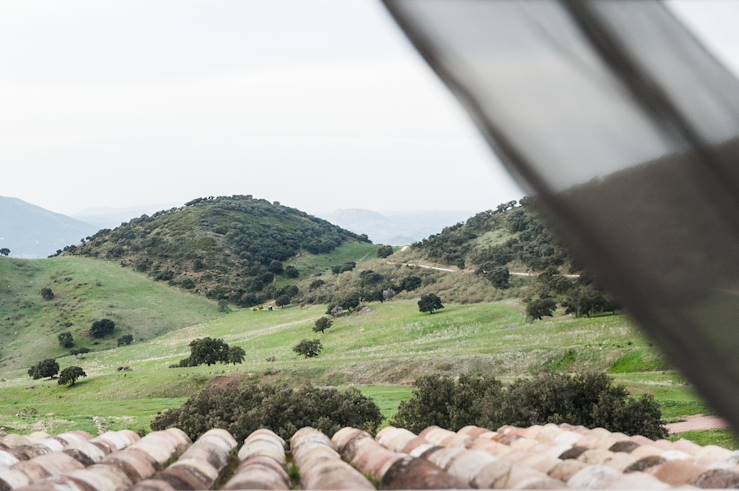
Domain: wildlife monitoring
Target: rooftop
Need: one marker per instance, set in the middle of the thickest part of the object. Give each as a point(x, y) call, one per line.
point(550, 457)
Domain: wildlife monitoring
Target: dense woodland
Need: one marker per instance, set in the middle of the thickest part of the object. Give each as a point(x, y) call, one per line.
point(228, 248)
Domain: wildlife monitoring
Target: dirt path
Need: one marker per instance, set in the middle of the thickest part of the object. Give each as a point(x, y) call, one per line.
point(470, 270)
point(697, 423)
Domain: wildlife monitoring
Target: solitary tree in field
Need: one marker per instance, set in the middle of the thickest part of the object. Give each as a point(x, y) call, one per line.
point(322, 323)
point(282, 300)
point(236, 355)
point(102, 328)
point(537, 308)
point(4, 251)
point(65, 339)
point(70, 375)
point(384, 251)
point(43, 369)
point(291, 272)
point(125, 340)
point(429, 302)
point(207, 351)
point(308, 348)
point(47, 294)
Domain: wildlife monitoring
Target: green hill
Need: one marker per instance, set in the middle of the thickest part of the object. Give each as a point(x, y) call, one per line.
point(84, 290)
point(227, 248)
point(511, 235)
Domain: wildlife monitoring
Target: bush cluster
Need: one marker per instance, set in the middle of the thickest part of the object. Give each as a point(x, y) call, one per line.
point(244, 408)
point(586, 399)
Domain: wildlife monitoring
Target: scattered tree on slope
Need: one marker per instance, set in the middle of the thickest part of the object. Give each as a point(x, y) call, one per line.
point(70, 375)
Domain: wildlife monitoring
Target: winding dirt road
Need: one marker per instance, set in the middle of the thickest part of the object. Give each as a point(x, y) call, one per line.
point(452, 269)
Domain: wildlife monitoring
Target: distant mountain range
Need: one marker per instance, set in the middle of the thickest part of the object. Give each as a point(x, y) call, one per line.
point(30, 231)
point(107, 217)
point(395, 228)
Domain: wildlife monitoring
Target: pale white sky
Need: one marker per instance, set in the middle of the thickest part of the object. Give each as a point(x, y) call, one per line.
point(320, 104)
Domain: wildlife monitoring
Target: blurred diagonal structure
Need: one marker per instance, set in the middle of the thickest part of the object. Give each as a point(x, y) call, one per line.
point(626, 130)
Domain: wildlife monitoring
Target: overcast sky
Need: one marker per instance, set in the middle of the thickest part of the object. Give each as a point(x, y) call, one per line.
point(318, 104)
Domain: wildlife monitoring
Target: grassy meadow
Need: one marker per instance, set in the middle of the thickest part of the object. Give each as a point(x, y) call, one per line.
point(380, 349)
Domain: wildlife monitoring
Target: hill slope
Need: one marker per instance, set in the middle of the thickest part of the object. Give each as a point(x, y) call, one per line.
point(511, 235)
point(84, 290)
point(229, 248)
point(388, 344)
point(31, 231)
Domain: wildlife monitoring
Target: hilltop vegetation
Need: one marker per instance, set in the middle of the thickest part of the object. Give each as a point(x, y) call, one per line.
point(84, 291)
point(227, 248)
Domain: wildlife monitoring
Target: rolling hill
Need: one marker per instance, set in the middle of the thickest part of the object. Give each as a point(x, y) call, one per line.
point(30, 231)
point(227, 248)
point(84, 290)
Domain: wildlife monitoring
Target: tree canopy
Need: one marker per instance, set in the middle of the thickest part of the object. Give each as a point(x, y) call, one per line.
point(101, 328)
point(309, 348)
point(70, 375)
point(429, 302)
point(47, 368)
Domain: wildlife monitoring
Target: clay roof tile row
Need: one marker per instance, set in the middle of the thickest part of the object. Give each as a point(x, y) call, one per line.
point(543, 457)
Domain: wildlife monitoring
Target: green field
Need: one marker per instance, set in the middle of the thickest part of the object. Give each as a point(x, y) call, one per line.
point(85, 290)
point(381, 349)
point(312, 264)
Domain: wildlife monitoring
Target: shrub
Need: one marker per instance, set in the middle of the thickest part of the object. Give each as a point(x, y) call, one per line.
point(587, 399)
point(322, 324)
point(429, 302)
point(384, 251)
point(316, 284)
point(282, 300)
point(79, 351)
point(43, 369)
point(70, 375)
point(125, 340)
point(65, 339)
point(291, 272)
point(47, 294)
point(500, 277)
point(442, 401)
point(275, 267)
point(102, 328)
point(342, 268)
point(308, 348)
point(410, 283)
point(246, 408)
point(537, 308)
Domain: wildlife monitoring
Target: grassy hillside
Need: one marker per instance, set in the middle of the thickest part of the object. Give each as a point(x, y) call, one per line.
point(84, 290)
point(381, 349)
point(228, 248)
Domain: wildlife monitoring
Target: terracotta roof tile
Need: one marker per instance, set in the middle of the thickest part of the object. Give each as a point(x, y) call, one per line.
point(541, 456)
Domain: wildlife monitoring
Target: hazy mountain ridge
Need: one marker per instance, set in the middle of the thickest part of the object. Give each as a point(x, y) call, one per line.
point(395, 227)
point(30, 231)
